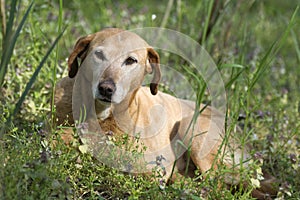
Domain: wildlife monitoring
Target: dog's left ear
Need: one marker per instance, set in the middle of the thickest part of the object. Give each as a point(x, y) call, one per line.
point(79, 51)
point(153, 58)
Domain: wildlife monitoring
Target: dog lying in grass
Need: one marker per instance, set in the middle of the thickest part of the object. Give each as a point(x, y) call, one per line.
point(106, 84)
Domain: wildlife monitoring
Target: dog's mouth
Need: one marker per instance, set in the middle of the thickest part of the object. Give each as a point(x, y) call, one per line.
point(105, 100)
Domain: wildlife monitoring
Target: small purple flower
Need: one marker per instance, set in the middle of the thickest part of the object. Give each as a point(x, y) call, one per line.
point(109, 133)
point(260, 114)
point(258, 156)
point(162, 184)
point(159, 160)
point(82, 127)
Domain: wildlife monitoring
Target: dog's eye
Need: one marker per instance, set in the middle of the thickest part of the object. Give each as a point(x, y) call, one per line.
point(130, 60)
point(100, 55)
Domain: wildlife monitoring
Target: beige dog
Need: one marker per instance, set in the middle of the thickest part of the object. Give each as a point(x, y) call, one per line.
point(108, 85)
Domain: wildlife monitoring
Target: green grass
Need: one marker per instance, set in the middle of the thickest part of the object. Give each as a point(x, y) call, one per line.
point(254, 43)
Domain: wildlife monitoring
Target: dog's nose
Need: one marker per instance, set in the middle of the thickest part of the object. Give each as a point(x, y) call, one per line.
point(107, 88)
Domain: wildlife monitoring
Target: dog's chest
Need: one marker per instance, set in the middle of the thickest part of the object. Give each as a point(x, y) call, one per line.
point(110, 127)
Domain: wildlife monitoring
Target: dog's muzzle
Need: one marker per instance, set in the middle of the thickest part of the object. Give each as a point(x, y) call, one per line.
point(106, 89)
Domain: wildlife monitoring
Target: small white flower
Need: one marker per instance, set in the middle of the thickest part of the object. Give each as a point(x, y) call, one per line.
point(255, 183)
point(153, 17)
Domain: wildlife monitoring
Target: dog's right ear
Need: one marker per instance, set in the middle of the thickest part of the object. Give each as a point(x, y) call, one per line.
point(155, 65)
point(79, 51)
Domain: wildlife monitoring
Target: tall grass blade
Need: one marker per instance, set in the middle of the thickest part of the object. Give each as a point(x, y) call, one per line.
point(10, 22)
point(167, 14)
point(34, 76)
point(234, 78)
point(54, 69)
point(31, 81)
point(297, 47)
point(207, 21)
point(10, 42)
point(272, 52)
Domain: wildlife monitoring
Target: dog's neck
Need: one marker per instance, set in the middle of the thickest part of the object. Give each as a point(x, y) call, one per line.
point(119, 113)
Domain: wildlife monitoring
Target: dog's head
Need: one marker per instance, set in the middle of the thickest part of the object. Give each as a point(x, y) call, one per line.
point(118, 61)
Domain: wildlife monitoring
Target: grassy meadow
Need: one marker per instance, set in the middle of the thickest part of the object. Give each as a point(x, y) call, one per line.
point(255, 44)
